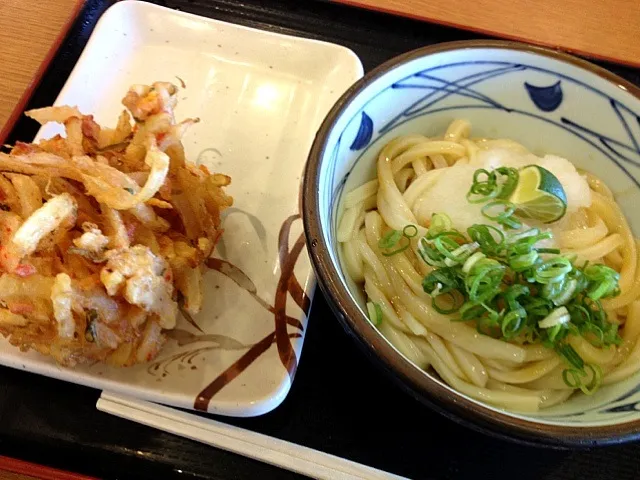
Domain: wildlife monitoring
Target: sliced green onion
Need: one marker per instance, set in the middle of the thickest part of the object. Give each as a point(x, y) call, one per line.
point(552, 289)
point(596, 379)
point(440, 222)
point(429, 254)
point(375, 313)
point(603, 281)
point(565, 292)
point(520, 263)
point(559, 316)
point(567, 352)
point(483, 189)
point(554, 333)
point(393, 237)
point(436, 250)
point(511, 288)
point(596, 331)
point(537, 306)
point(442, 284)
point(526, 243)
point(572, 377)
point(548, 250)
point(604, 289)
point(446, 277)
point(512, 322)
point(410, 231)
point(510, 178)
point(579, 314)
point(487, 185)
point(484, 279)
point(599, 272)
point(611, 336)
point(597, 313)
point(471, 311)
point(503, 215)
point(390, 239)
point(515, 291)
point(489, 324)
point(456, 300)
point(516, 237)
point(436, 291)
point(396, 251)
point(484, 236)
point(471, 261)
point(552, 270)
point(461, 254)
point(445, 245)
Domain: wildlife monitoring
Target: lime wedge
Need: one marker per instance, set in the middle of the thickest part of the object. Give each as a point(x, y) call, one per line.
point(539, 195)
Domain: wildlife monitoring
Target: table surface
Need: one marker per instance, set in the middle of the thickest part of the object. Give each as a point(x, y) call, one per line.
point(604, 29)
point(340, 403)
point(31, 31)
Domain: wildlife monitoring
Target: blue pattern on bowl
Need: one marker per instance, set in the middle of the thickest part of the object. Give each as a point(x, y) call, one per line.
point(546, 104)
point(546, 99)
point(365, 132)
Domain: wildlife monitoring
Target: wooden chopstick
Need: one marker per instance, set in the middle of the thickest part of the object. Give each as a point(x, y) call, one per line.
point(254, 445)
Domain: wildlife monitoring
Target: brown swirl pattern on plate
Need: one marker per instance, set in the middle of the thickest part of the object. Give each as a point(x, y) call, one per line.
point(287, 285)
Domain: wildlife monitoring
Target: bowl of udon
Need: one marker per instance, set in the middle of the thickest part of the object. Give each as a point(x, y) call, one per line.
point(471, 213)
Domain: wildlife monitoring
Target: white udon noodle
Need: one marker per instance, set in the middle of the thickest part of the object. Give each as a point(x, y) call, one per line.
point(509, 375)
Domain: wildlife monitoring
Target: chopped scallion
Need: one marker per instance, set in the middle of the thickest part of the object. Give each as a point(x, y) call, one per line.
point(375, 313)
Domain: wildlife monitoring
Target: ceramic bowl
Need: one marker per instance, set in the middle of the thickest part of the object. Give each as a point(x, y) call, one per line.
point(548, 101)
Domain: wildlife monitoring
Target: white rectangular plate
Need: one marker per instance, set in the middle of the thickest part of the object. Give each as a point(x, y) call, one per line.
point(260, 97)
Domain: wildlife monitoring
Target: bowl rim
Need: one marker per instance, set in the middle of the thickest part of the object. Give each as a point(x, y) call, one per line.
point(471, 413)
